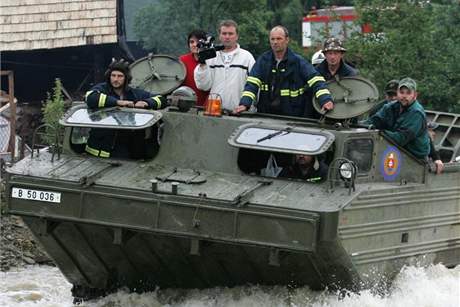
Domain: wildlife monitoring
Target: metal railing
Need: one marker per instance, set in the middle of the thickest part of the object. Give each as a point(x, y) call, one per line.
point(53, 134)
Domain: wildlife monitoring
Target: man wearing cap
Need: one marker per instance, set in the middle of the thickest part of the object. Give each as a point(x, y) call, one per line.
point(434, 154)
point(391, 89)
point(116, 92)
point(334, 65)
point(404, 121)
point(281, 80)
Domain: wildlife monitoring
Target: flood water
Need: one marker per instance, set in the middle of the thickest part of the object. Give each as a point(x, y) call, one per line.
point(45, 286)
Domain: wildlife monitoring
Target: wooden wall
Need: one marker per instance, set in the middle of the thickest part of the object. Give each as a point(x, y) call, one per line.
point(47, 24)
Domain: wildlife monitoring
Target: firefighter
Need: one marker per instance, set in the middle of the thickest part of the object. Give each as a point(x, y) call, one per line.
point(116, 92)
point(334, 65)
point(281, 81)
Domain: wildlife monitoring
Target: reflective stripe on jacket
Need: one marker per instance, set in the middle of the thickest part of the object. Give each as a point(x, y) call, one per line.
point(96, 152)
point(102, 96)
point(102, 142)
point(283, 89)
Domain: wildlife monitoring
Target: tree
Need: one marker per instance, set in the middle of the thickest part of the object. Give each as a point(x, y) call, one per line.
point(164, 28)
point(416, 39)
point(162, 33)
point(320, 4)
point(289, 13)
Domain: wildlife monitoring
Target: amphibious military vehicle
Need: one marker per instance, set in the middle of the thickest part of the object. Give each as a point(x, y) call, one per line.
point(195, 211)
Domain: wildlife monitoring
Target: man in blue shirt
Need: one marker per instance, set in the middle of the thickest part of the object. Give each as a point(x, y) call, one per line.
point(281, 80)
point(391, 94)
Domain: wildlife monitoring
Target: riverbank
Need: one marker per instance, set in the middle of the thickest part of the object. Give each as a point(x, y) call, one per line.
point(18, 247)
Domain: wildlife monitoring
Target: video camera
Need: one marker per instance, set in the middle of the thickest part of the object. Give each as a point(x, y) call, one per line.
point(207, 49)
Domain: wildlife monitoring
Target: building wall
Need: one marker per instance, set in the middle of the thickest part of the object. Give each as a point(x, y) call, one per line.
point(47, 24)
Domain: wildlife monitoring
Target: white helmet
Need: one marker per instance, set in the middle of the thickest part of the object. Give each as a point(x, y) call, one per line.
point(318, 57)
point(182, 98)
point(185, 91)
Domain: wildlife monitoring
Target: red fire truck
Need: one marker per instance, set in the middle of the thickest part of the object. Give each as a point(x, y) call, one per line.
point(333, 21)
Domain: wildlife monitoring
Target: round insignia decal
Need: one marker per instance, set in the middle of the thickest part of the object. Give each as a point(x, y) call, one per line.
point(391, 163)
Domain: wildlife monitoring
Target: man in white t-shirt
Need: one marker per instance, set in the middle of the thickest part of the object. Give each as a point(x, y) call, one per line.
point(226, 74)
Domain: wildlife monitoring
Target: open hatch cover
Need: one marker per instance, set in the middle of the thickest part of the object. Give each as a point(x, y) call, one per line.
point(117, 118)
point(287, 139)
point(159, 74)
point(353, 96)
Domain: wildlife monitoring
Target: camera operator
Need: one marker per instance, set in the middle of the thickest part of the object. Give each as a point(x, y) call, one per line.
point(190, 61)
point(226, 73)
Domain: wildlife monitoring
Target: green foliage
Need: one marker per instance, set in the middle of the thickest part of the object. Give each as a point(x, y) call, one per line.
point(288, 13)
point(321, 4)
point(419, 39)
point(415, 39)
point(53, 110)
point(163, 25)
point(164, 28)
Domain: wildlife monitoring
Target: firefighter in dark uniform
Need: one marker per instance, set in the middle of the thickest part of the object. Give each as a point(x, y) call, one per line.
point(334, 65)
point(116, 92)
point(280, 82)
point(306, 167)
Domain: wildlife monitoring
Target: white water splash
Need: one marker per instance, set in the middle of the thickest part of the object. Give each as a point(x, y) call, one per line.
point(42, 286)
point(434, 286)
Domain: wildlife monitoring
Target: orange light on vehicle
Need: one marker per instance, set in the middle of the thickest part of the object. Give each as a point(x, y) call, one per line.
point(213, 105)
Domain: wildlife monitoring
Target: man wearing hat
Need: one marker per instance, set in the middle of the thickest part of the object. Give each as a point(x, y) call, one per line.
point(116, 92)
point(334, 65)
point(391, 89)
point(404, 120)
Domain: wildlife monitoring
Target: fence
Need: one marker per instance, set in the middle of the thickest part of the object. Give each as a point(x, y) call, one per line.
point(8, 123)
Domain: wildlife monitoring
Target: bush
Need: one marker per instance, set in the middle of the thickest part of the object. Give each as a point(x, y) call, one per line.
point(53, 110)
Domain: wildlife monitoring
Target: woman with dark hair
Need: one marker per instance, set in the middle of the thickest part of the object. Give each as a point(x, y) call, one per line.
point(190, 61)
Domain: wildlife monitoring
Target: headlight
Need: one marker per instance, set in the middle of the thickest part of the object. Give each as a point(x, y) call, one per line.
point(346, 170)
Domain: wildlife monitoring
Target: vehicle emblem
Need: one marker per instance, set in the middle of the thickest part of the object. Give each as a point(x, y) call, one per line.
point(391, 163)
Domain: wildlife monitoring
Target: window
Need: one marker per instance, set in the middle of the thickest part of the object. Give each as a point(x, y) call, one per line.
point(360, 151)
point(284, 139)
point(131, 133)
point(120, 118)
point(259, 142)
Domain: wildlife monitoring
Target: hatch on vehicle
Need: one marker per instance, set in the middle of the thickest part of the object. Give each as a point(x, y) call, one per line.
point(158, 73)
point(352, 96)
point(284, 139)
point(116, 118)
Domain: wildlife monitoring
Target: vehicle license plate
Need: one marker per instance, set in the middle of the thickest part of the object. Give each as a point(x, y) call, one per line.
point(53, 197)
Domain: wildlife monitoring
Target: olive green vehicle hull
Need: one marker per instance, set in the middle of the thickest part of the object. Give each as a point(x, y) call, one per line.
point(112, 228)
